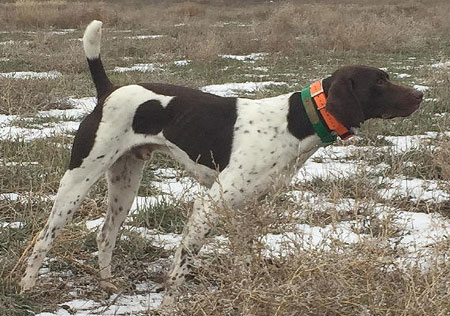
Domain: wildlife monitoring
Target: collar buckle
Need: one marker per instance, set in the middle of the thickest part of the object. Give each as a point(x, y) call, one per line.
point(321, 107)
point(319, 87)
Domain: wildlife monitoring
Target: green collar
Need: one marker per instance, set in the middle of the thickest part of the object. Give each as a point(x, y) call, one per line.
point(314, 117)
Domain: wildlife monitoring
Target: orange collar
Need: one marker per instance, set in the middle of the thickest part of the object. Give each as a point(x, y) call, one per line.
point(318, 95)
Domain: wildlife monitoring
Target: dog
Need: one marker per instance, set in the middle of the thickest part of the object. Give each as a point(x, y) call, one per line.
point(238, 148)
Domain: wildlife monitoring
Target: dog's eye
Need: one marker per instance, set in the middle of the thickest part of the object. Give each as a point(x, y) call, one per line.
point(380, 81)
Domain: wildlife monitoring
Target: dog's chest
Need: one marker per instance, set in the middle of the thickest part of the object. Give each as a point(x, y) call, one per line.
point(261, 139)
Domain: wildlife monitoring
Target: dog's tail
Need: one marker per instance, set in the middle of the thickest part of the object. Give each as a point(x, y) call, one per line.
point(91, 43)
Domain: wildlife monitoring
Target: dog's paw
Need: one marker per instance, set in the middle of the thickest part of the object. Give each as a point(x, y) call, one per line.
point(27, 283)
point(168, 301)
point(109, 287)
point(160, 311)
point(166, 308)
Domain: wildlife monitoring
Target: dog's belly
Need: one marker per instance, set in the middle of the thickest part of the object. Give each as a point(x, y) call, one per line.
point(205, 175)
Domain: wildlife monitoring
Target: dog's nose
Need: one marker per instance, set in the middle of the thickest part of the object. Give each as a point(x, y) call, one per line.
point(418, 94)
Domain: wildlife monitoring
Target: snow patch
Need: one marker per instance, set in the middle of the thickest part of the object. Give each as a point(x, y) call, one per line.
point(444, 64)
point(309, 237)
point(231, 89)
point(264, 69)
point(10, 42)
point(143, 37)
point(421, 88)
point(167, 241)
point(17, 163)
point(31, 75)
point(414, 189)
point(82, 106)
point(28, 134)
point(401, 76)
point(94, 224)
point(404, 143)
point(9, 196)
point(62, 31)
point(138, 67)
point(115, 305)
point(12, 225)
point(182, 62)
point(249, 58)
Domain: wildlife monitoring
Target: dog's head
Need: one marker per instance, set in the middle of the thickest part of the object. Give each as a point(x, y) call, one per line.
point(358, 93)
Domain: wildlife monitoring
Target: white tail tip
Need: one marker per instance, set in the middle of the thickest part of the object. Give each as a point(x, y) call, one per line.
point(91, 39)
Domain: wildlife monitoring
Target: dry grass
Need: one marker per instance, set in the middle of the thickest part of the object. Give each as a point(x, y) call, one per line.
point(294, 28)
point(189, 9)
point(361, 281)
point(289, 27)
point(442, 158)
point(304, 41)
point(381, 28)
point(368, 278)
point(60, 14)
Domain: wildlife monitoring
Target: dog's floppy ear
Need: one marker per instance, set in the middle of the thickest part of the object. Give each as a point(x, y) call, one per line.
point(343, 104)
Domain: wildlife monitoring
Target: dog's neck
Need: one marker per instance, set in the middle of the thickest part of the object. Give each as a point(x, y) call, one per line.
point(326, 126)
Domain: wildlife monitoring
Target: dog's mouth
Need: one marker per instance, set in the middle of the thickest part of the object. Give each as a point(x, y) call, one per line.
point(404, 112)
point(387, 116)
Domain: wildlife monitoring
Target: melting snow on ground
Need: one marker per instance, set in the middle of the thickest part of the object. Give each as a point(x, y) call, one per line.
point(143, 37)
point(408, 142)
point(80, 108)
point(413, 189)
point(115, 305)
point(234, 89)
point(401, 76)
point(444, 64)
point(63, 31)
point(31, 75)
point(249, 58)
point(184, 62)
point(138, 67)
point(419, 230)
point(421, 87)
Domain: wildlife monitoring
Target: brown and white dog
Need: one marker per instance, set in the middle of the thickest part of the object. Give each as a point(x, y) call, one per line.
point(238, 148)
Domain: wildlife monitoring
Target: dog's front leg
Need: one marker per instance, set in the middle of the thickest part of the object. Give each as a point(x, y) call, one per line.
point(204, 216)
point(233, 189)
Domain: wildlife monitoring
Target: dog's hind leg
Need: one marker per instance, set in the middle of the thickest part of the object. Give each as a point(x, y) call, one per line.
point(123, 177)
point(91, 156)
point(73, 187)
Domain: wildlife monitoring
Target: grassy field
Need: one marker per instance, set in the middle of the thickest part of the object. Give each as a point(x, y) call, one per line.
point(369, 197)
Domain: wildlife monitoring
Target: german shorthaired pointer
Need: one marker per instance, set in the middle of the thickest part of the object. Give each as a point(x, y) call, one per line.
point(238, 148)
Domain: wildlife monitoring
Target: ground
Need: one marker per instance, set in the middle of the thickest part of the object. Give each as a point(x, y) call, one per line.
point(363, 227)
